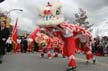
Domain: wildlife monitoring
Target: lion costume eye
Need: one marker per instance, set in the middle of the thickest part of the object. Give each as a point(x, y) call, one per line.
point(57, 12)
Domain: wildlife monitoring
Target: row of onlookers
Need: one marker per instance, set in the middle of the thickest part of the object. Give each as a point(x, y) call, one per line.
point(22, 45)
point(100, 46)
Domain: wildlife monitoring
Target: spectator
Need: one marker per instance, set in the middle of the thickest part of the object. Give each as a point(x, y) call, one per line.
point(35, 46)
point(106, 49)
point(24, 45)
point(4, 34)
point(9, 44)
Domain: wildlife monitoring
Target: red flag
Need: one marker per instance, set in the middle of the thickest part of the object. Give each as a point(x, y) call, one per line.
point(14, 35)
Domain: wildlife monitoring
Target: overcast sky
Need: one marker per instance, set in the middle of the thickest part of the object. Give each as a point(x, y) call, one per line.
point(97, 10)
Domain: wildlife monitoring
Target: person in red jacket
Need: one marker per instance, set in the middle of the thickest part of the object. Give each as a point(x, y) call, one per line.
point(69, 47)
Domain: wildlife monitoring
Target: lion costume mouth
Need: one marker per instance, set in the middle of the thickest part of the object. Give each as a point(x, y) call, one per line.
point(51, 21)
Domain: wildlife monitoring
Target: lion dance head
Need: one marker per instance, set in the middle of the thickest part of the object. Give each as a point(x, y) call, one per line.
point(50, 14)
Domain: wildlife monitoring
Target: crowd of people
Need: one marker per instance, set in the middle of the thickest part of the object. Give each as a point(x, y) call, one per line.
point(100, 46)
point(22, 45)
point(7, 45)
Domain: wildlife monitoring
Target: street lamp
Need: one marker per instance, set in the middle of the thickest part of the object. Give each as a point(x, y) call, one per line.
point(8, 14)
point(14, 10)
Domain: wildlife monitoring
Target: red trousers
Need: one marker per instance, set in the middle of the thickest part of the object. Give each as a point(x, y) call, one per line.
point(69, 50)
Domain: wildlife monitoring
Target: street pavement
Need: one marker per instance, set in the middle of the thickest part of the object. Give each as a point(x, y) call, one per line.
point(33, 62)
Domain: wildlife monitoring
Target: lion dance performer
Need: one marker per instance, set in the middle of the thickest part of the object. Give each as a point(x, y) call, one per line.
point(57, 45)
point(51, 18)
point(85, 46)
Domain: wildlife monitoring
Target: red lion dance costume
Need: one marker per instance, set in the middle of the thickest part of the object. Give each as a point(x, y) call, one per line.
point(44, 43)
point(51, 18)
point(57, 45)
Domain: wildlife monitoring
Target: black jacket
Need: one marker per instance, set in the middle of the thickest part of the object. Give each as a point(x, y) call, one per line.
point(4, 34)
